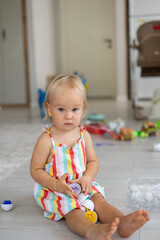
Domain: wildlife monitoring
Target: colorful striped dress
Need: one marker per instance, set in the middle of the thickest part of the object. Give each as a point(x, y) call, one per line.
point(65, 159)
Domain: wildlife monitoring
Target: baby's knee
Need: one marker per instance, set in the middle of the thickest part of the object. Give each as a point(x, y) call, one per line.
point(98, 197)
point(72, 213)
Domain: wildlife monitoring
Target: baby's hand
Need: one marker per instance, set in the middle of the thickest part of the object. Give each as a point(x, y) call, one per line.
point(86, 184)
point(62, 187)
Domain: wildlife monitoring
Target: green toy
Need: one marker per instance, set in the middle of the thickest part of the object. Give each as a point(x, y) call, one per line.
point(142, 134)
point(158, 124)
point(135, 134)
point(95, 118)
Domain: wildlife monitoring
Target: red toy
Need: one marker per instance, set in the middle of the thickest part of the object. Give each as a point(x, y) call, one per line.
point(95, 128)
point(112, 134)
point(100, 128)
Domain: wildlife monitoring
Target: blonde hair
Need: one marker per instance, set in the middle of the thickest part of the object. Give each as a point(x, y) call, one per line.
point(63, 82)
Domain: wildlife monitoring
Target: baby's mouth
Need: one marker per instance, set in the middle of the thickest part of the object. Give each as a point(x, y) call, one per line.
point(68, 124)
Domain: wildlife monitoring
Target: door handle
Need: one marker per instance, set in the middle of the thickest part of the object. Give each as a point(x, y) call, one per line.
point(108, 41)
point(3, 34)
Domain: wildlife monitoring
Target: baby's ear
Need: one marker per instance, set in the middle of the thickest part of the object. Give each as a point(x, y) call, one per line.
point(85, 108)
point(49, 109)
point(84, 105)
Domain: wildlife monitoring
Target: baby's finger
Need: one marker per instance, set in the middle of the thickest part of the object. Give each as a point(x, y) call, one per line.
point(83, 187)
point(72, 194)
point(74, 181)
point(63, 178)
point(75, 195)
point(86, 190)
point(69, 194)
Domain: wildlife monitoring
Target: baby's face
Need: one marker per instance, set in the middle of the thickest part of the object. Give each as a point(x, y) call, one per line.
point(67, 110)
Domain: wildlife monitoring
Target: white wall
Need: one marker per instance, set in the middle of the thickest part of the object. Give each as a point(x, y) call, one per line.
point(121, 45)
point(43, 44)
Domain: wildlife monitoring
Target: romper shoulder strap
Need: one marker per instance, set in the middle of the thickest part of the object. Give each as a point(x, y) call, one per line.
point(47, 131)
point(81, 129)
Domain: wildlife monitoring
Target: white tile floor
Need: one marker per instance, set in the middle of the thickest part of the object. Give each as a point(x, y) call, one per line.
point(118, 163)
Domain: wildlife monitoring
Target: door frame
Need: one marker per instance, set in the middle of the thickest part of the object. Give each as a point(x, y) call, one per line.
point(127, 49)
point(26, 61)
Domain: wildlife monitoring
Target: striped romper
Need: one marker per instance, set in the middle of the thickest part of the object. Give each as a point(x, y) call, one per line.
point(65, 159)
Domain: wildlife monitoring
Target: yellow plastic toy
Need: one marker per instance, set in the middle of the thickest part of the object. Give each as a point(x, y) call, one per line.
point(91, 216)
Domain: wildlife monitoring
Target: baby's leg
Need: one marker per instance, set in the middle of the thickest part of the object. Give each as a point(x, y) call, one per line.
point(128, 224)
point(132, 222)
point(78, 223)
point(106, 212)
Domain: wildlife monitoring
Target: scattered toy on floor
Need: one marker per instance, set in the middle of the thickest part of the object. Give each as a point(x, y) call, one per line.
point(117, 130)
point(96, 118)
point(156, 147)
point(158, 124)
point(143, 193)
point(106, 143)
point(149, 128)
point(7, 205)
point(97, 128)
point(142, 134)
point(135, 134)
point(126, 133)
point(84, 81)
point(111, 134)
point(116, 125)
point(41, 99)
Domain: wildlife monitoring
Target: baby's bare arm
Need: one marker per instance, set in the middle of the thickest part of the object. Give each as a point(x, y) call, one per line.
point(39, 158)
point(41, 153)
point(92, 160)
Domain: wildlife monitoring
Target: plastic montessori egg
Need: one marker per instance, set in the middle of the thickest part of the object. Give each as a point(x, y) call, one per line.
point(91, 216)
point(76, 187)
point(82, 197)
point(88, 204)
point(7, 205)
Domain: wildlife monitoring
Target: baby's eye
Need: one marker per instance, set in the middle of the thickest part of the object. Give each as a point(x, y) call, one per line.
point(61, 109)
point(75, 109)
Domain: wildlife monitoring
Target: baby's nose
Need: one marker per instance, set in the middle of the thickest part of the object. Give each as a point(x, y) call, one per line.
point(69, 114)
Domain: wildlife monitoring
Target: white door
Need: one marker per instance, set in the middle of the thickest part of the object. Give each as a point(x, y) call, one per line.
point(87, 43)
point(12, 64)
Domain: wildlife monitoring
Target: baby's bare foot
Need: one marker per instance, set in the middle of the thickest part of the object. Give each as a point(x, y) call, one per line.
point(132, 222)
point(102, 231)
